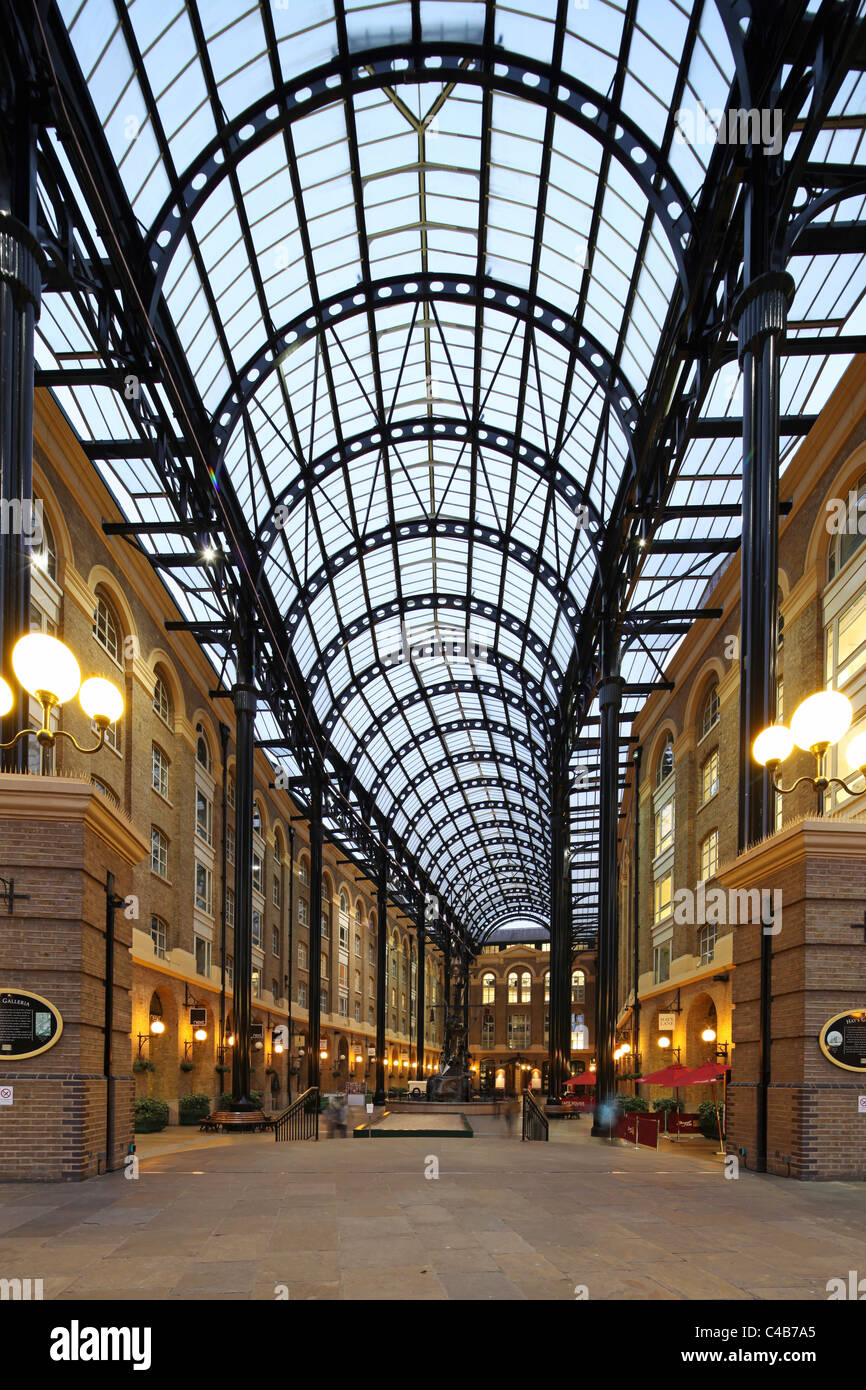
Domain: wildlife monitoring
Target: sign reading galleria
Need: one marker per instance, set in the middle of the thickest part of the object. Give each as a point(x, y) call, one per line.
point(843, 1040)
point(29, 1024)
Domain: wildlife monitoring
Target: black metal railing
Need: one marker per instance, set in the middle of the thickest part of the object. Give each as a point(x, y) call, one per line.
point(300, 1120)
point(535, 1122)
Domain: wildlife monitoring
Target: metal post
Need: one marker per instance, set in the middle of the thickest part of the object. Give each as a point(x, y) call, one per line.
point(112, 902)
point(20, 289)
point(560, 926)
point(419, 989)
point(315, 1000)
point(609, 699)
point(635, 891)
point(290, 961)
point(224, 749)
point(244, 700)
point(381, 964)
point(760, 318)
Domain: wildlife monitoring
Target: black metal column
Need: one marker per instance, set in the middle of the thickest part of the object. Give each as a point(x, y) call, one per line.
point(609, 700)
point(420, 921)
point(224, 751)
point(20, 289)
point(760, 317)
point(293, 1061)
point(381, 983)
point(315, 1000)
point(636, 908)
point(559, 1004)
point(244, 700)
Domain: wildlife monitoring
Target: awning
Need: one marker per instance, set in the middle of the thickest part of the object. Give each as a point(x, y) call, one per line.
point(586, 1078)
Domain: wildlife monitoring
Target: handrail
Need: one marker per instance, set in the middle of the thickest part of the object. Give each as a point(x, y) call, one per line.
point(300, 1120)
point(535, 1123)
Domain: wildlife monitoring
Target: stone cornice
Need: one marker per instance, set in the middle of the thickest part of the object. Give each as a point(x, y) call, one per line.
point(811, 838)
point(24, 797)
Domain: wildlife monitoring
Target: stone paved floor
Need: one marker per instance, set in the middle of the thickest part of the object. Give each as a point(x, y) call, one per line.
point(233, 1217)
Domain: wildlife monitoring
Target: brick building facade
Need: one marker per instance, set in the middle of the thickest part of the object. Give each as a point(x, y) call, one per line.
point(687, 777)
point(509, 1006)
point(168, 766)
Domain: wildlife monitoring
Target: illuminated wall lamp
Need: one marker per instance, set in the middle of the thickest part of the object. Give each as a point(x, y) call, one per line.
point(47, 670)
point(817, 723)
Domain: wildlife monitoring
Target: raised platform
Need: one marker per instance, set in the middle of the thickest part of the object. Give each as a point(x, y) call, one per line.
point(403, 1126)
point(446, 1107)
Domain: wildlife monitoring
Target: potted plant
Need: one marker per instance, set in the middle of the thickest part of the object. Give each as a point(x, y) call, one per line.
point(221, 1068)
point(666, 1106)
point(710, 1119)
point(151, 1115)
point(629, 1104)
point(143, 1064)
point(193, 1108)
point(187, 1065)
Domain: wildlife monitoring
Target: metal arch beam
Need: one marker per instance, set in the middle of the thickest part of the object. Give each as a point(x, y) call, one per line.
point(465, 530)
point(456, 759)
point(365, 299)
point(447, 63)
point(537, 801)
point(417, 697)
point(472, 756)
point(423, 429)
point(493, 823)
point(422, 604)
point(380, 669)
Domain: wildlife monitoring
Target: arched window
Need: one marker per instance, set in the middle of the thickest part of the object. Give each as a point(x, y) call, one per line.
point(666, 761)
point(488, 989)
point(512, 988)
point(849, 540)
point(578, 986)
point(344, 901)
point(162, 700)
point(230, 789)
point(547, 986)
point(278, 847)
point(202, 748)
point(45, 558)
point(710, 712)
point(257, 818)
point(106, 629)
point(525, 987)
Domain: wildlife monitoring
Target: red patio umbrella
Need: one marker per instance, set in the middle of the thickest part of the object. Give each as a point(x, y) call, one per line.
point(707, 1075)
point(585, 1078)
point(668, 1076)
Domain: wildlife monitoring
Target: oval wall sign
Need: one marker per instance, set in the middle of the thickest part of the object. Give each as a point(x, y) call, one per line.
point(29, 1024)
point(843, 1040)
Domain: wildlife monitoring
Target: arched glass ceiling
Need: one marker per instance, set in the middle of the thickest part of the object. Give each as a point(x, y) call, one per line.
point(421, 291)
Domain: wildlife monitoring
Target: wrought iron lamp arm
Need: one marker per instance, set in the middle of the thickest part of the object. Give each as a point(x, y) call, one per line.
point(50, 737)
point(820, 783)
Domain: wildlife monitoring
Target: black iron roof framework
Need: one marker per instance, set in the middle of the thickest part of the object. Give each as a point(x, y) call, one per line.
point(441, 417)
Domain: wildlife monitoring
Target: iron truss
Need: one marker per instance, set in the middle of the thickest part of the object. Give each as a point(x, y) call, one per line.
point(430, 343)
